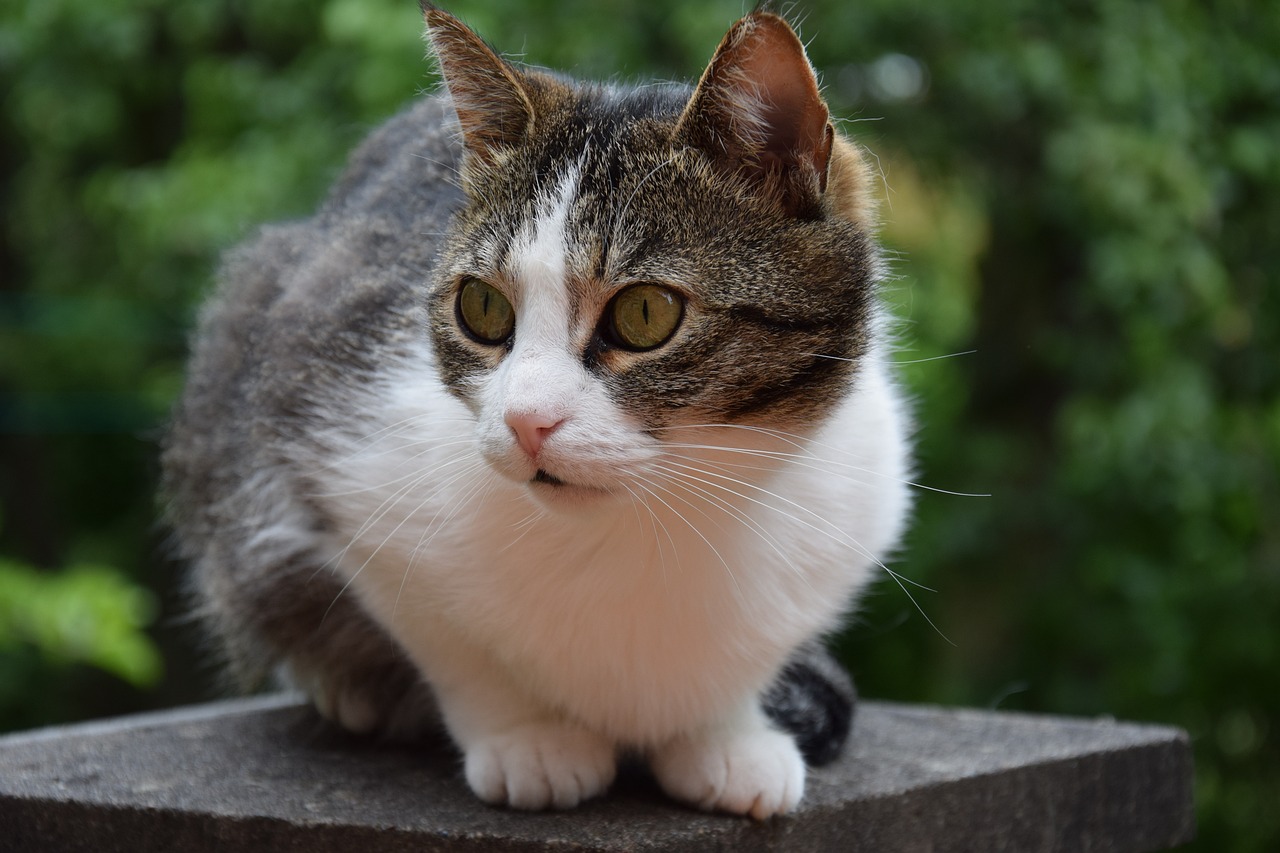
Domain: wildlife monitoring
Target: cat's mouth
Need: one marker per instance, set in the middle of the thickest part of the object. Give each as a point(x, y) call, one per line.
point(562, 491)
point(548, 479)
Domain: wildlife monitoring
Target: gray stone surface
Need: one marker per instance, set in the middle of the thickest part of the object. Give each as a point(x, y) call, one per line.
point(266, 774)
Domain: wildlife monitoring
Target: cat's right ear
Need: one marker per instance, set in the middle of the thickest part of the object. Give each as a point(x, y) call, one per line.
point(489, 96)
point(757, 111)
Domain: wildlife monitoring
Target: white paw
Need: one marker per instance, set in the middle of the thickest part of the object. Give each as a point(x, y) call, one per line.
point(540, 765)
point(758, 773)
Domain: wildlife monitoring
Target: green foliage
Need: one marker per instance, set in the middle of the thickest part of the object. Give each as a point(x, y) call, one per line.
point(53, 623)
point(1121, 404)
point(1082, 196)
point(81, 614)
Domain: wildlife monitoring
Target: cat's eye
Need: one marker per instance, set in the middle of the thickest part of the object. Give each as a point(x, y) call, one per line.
point(643, 317)
point(484, 312)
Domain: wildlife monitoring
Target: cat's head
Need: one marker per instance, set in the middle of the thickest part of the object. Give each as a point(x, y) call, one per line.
point(635, 264)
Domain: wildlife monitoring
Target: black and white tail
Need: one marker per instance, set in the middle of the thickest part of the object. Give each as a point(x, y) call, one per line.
point(813, 700)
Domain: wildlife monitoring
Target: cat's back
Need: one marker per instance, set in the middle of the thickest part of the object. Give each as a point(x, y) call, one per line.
point(379, 230)
point(304, 310)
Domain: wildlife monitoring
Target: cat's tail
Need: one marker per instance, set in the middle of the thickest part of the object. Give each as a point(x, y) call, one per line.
point(813, 700)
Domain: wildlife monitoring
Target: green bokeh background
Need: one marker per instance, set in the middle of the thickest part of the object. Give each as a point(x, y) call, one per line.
point(1082, 207)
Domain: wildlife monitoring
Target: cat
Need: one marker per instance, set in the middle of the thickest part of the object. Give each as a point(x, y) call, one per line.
point(565, 423)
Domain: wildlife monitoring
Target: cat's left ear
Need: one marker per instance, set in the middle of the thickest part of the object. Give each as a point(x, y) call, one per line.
point(489, 96)
point(757, 110)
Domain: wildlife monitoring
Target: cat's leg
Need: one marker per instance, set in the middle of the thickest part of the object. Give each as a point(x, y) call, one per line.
point(287, 616)
point(516, 752)
point(740, 764)
point(368, 687)
point(538, 764)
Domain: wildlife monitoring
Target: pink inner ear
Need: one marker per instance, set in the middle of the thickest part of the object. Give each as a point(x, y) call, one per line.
point(772, 62)
point(492, 105)
point(758, 111)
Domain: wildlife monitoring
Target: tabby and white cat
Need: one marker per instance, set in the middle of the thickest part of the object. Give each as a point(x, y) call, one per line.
point(566, 422)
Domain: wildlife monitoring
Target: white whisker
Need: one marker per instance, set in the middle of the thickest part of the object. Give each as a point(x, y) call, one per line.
point(622, 212)
point(846, 540)
point(933, 358)
point(843, 538)
point(387, 506)
point(479, 484)
point(380, 486)
point(801, 443)
point(839, 535)
point(739, 515)
point(394, 498)
point(654, 522)
point(524, 525)
point(896, 363)
point(645, 486)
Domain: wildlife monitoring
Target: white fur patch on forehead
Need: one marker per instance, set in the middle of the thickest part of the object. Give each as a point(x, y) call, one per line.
point(537, 261)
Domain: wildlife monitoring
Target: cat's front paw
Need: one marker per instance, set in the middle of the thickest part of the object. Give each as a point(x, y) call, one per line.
point(540, 765)
point(758, 773)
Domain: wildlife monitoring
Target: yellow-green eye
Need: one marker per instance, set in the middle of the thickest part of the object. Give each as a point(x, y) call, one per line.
point(484, 312)
point(643, 316)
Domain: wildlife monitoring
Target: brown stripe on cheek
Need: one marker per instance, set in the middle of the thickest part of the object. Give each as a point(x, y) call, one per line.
point(780, 376)
point(806, 393)
point(734, 371)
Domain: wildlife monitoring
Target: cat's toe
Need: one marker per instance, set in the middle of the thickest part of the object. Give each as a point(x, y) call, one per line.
point(396, 709)
point(349, 709)
point(539, 766)
point(352, 710)
point(760, 774)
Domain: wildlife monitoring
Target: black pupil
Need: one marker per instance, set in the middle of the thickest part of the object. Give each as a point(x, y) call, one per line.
point(644, 311)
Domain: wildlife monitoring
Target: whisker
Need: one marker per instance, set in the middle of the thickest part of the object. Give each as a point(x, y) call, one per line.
point(645, 486)
point(799, 442)
point(740, 516)
point(394, 430)
point(412, 420)
point(524, 525)
point(621, 215)
point(394, 498)
point(453, 178)
point(479, 484)
point(797, 460)
point(669, 466)
point(384, 508)
point(843, 537)
point(654, 522)
point(897, 363)
point(933, 358)
point(900, 580)
point(401, 479)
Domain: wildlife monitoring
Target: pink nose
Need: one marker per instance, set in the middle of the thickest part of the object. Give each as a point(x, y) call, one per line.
point(531, 429)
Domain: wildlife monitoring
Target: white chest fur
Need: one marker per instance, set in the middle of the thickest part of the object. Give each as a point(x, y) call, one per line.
point(639, 616)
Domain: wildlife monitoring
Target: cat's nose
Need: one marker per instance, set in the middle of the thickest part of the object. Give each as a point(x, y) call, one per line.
point(531, 429)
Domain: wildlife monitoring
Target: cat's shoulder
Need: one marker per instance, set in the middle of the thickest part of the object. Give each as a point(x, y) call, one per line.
point(417, 149)
point(370, 244)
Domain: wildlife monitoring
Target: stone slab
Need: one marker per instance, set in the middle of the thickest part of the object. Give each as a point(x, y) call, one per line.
point(267, 774)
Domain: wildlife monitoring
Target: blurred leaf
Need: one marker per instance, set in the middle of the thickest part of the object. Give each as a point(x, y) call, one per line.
point(83, 614)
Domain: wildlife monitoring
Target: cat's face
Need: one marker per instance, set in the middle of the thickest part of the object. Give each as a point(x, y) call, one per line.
point(612, 284)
